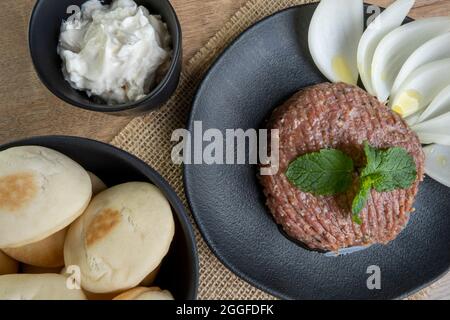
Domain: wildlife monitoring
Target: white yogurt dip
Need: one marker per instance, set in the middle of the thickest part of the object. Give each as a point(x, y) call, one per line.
point(114, 51)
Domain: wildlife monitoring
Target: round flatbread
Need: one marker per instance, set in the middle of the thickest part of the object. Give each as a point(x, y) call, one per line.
point(122, 237)
point(41, 192)
point(7, 264)
point(150, 278)
point(97, 184)
point(37, 287)
point(47, 253)
point(142, 293)
point(90, 295)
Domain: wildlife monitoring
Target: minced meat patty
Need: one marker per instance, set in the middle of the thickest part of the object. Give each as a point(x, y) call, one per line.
point(338, 116)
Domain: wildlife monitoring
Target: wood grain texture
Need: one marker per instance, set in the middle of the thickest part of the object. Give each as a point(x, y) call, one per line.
point(26, 106)
point(28, 109)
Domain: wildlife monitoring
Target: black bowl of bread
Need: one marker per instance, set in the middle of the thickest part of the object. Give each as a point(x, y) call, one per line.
point(80, 219)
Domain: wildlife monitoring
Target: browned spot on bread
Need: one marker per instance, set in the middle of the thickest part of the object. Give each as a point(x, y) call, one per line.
point(17, 190)
point(102, 224)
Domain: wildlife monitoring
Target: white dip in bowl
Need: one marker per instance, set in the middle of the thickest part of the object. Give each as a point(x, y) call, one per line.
point(116, 52)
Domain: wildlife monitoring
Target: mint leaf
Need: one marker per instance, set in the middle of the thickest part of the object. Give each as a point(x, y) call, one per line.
point(386, 170)
point(356, 219)
point(326, 172)
point(330, 171)
point(373, 159)
point(362, 196)
point(390, 169)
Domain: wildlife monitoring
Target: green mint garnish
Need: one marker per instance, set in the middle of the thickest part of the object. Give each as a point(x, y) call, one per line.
point(330, 171)
point(326, 172)
point(386, 170)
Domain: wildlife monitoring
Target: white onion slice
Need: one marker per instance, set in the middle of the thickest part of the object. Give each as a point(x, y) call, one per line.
point(436, 130)
point(437, 163)
point(334, 33)
point(387, 21)
point(421, 87)
point(437, 48)
point(413, 119)
point(439, 106)
point(395, 48)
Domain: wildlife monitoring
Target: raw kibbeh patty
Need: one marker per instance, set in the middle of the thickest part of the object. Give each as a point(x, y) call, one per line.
point(339, 116)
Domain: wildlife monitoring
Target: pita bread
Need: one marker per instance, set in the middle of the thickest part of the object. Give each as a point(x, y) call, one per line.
point(97, 184)
point(41, 192)
point(150, 278)
point(90, 295)
point(7, 264)
point(37, 287)
point(142, 293)
point(122, 237)
point(47, 253)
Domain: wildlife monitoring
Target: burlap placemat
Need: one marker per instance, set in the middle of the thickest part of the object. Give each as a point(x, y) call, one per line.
point(148, 137)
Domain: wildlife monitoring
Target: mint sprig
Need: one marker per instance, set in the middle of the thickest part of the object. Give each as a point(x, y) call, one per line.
point(361, 197)
point(326, 172)
point(389, 169)
point(386, 170)
point(330, 171)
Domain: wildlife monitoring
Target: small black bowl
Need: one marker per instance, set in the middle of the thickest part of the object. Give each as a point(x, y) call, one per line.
point(180, 269)
point(44, 30)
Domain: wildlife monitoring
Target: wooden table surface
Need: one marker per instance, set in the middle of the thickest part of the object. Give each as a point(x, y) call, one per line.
point(28, 109)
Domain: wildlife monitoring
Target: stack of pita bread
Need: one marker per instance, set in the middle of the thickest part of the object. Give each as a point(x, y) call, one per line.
point(65, 235)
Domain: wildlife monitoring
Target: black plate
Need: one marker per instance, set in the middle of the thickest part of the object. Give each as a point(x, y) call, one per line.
point(179, 271)
point(261, 69)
